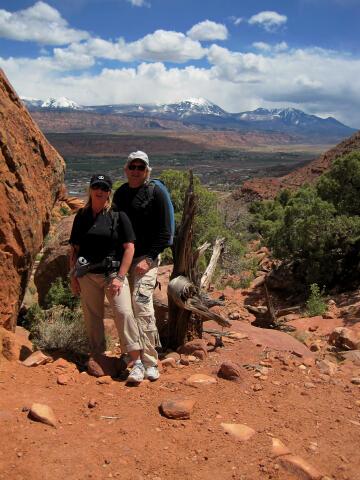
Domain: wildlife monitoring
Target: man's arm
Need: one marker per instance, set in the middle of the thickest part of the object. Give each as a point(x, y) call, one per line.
point(160, 215)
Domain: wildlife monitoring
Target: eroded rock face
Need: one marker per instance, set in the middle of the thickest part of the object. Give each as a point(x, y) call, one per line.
point(31, 177)
point(55, 261)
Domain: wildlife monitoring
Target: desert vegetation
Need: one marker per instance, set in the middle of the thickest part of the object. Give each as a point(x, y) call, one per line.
point(316, 230)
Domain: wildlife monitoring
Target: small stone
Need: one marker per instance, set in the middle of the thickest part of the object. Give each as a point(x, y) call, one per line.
point(174, 355)
point(309, 385)
point(106, 380)
point(327, 367)
point(35, 359)
point(184, 360)
point(238, 336)
point(257, 388)
point(63, 379)
point(231, 371)
point(169, 362)
point(43, 413)
point(197, 347)
point(177, 407)
point(355, 380)
point(278, 448)
point(238, 430)
point(200, 379)
point(92, 403)
point(300, 468)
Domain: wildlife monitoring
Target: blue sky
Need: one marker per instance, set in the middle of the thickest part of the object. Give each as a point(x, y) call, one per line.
point(239, 54)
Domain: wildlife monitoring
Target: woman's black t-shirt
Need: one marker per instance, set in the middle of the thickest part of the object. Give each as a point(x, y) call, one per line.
point(102, 236)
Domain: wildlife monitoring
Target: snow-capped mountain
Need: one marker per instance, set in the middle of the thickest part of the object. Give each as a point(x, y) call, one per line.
point(203, 114)
point(293, 120)
point(193, 106)
point(61, 102)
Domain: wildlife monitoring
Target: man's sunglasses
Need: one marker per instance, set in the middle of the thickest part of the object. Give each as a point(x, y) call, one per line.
point(100, 186)
point(137, 167)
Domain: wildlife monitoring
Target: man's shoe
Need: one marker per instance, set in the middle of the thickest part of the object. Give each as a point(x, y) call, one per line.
point(152, 373)
point(137, 373)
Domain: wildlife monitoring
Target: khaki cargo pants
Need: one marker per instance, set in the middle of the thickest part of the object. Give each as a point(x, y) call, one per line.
point(93, 290)
point(142, 288)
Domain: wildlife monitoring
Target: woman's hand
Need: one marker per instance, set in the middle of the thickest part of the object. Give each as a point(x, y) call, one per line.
point(75, 286)
point(116, 287)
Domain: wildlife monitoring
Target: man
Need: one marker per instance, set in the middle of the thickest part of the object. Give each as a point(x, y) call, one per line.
point(152, 226)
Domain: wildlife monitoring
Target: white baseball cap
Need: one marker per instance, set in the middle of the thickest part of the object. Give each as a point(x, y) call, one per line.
point(138, 155)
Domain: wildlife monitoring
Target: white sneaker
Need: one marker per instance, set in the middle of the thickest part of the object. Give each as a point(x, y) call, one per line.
point(152, 373)
point(137, 373)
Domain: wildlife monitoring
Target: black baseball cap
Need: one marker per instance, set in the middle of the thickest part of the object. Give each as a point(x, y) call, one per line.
point(101, 178)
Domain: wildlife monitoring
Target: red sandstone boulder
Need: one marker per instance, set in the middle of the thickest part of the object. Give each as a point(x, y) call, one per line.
point(55, 261)
point(31, 177)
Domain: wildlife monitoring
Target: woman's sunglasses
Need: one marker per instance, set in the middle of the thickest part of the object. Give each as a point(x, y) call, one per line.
point(137, 167)
point(100, 186)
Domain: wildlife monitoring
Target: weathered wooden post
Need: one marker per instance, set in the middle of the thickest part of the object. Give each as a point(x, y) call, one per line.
point(187, 304)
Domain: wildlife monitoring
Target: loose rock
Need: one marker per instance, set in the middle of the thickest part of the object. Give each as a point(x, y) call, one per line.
point(238, 430)
point(177, 407)
point(43, 413)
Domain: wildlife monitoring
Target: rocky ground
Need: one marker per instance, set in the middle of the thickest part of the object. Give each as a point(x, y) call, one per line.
point(262, 405)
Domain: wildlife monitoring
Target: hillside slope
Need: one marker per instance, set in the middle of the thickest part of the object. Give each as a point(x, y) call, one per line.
point(267, 188)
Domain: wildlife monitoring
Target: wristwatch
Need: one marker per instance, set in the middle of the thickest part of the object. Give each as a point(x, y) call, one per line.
point(120, 277)
point(149, 261)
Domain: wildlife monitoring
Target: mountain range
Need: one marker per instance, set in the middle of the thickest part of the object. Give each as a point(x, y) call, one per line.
point(204, 115)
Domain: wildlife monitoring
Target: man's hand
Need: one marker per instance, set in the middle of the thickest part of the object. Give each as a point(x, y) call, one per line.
point(142, 267)
point(116, 287)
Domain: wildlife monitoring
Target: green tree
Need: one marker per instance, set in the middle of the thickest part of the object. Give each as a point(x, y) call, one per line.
point(209, 224)
point(60, 293)
point(317, 229)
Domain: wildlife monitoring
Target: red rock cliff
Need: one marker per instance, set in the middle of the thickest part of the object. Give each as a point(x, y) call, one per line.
point(31, 177)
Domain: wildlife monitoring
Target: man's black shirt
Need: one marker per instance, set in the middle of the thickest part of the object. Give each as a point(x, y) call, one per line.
point(151, 225)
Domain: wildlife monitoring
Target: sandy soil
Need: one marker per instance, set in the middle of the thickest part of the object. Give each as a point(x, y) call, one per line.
point(281, 394)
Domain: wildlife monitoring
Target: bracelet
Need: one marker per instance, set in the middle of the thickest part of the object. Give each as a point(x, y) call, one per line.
point(120, 277)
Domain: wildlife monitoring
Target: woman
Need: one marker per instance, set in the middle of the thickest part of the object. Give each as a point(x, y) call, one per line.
point(105, 240)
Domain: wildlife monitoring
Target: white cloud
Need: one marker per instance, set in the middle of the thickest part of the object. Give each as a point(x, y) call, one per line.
point(208, 30)
point(262, 46)
point(139, 3)
point(266, 47)
point(40, 23)
point(166, 46)
point(238, 20)
point(315, 81)
point(236, 66)
point(270, 21)
point(159, 46)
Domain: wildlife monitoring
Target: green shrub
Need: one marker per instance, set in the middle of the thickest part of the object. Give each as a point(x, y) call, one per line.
point(316, 303)
point(62, 329)
point(60, 294)
point(316, 230)
point(32, 317)
point(64, 211)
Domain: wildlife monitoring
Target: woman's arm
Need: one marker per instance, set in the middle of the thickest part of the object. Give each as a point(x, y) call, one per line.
point(117, 283)
point(74, 282)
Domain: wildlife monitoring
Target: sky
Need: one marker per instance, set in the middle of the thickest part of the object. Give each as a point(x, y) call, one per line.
point(238, 54)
